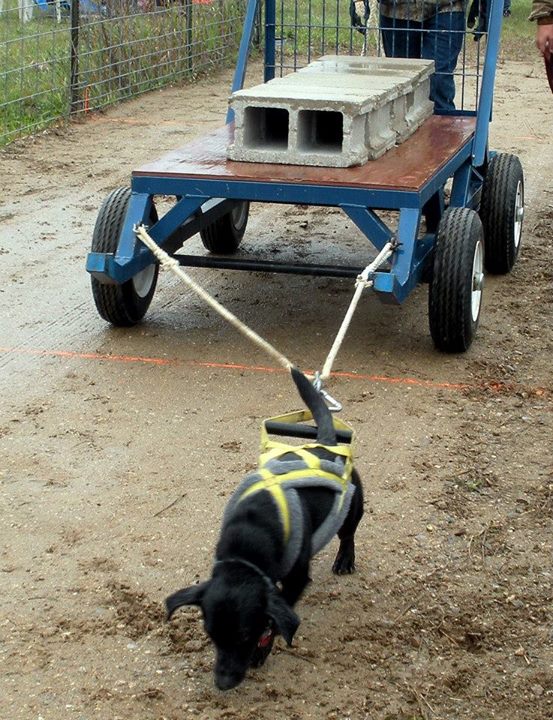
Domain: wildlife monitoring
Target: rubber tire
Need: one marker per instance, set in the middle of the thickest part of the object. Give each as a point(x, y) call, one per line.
point(498, 212)
point(224, 236)
point(120, 305)
point(452, 325)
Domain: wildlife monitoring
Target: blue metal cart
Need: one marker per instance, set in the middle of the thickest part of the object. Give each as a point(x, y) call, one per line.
point(451, 197)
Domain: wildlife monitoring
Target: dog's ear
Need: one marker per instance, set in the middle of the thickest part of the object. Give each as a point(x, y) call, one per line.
point(285, 619)
point(187, 596)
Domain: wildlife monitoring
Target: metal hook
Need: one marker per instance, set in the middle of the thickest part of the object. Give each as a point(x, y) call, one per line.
point(332, 403)
point(317, 381)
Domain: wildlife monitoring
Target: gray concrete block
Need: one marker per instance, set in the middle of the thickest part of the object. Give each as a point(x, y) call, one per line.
point(336, 112)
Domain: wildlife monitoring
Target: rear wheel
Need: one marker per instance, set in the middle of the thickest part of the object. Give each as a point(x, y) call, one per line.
point(224, 235)
point(455, 291)
point(502, 212)
point(125, 304)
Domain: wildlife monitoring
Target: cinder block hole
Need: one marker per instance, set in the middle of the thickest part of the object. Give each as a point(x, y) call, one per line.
point(320, 131)
point(266, 128)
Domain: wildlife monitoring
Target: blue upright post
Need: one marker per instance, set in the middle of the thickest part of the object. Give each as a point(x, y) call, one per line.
point(485, 104)
point(270, 24)
point(245, 43)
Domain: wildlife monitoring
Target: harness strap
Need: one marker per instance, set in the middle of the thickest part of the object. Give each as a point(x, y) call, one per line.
point(304, 416)
point(273, 484)
point(302, 451)
point(270, 483)
point(272, 450)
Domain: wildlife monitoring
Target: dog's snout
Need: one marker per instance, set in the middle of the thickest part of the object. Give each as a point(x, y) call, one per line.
point(230, 669)
point(227, 681)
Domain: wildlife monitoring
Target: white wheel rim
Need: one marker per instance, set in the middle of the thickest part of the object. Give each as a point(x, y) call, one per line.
point(477, 280)
point(142, 281)
point(238, 215)
point(519, 213)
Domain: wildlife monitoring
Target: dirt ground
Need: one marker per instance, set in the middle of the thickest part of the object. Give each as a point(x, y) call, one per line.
point(119, 449)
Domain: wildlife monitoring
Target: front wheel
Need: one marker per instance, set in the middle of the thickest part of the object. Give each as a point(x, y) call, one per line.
point(224, 235)
point(125, 304)
point(455, 291)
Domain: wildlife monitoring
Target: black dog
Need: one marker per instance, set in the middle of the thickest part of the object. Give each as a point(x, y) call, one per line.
point(270, 531)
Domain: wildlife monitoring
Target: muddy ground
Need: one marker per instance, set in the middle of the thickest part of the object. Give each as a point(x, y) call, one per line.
point(120, 447)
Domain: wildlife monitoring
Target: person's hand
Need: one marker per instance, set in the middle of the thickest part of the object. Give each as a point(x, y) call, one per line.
point(478, 9)
point(544, 39)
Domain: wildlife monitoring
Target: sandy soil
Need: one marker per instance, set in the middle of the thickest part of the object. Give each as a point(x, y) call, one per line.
point(120, 447)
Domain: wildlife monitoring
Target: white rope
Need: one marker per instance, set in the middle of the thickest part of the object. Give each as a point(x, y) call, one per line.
point(361, 283)
point(168, 262)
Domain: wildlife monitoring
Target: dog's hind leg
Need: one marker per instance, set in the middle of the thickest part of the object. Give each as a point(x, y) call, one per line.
point(344, 562)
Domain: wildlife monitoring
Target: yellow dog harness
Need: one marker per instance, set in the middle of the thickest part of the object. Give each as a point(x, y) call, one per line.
point(283, 476)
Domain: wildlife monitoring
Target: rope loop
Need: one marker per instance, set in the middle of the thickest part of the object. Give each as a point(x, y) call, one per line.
point(361, 283)
point(173, 265)
point(364, 280)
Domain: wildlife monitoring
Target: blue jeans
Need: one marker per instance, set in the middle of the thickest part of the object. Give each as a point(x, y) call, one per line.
point(439, 38)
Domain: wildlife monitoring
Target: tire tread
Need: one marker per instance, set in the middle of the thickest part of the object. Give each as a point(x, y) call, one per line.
point(450, 297)
point(115, 303)
point(222, 236)
point(497, 211)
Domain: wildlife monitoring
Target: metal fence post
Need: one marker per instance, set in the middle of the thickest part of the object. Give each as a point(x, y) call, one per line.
point(189, 36)
point(257, 26)
point(76, 100)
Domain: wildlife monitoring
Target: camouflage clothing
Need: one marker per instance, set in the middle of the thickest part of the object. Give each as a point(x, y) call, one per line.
point(419, 10)
point(542, 11)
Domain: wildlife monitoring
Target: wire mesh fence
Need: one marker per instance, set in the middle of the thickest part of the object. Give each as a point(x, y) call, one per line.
point(308, 29)
point(59, 59)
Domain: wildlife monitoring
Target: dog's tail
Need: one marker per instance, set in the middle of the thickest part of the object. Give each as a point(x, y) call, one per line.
point(326, 433)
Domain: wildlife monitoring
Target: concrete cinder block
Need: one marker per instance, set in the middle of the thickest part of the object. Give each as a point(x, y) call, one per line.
point(336, 112)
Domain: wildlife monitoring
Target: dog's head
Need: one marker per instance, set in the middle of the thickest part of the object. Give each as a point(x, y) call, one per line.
point(237, 606)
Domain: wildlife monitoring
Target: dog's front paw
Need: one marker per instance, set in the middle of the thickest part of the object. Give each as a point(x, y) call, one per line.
point(264, 647)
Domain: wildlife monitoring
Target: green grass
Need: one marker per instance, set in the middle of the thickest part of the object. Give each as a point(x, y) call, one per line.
point(517, 37)
point(118, 59)
point(34, 62)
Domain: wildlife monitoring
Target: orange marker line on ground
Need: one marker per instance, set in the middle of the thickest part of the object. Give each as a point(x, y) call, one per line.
point(404, 381)
point(491, 385)
point(349, 375)
point(409, 381)
point(88, 356)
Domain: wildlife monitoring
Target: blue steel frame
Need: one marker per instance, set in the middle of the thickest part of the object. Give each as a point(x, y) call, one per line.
point(467, 169)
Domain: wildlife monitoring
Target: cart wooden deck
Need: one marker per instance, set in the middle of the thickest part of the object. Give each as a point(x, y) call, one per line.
point(406, 167)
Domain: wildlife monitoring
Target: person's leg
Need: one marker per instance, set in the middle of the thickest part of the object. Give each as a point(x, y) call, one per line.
point(442, 42)
point(400, 37)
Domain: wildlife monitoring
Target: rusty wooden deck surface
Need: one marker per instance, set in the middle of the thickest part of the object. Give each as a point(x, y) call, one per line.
point(405, 167)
